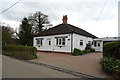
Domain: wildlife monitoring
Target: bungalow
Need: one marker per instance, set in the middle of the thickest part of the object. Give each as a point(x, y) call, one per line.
point(63, 38)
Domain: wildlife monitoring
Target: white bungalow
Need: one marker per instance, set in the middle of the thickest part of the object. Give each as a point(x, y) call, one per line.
point(63, 38)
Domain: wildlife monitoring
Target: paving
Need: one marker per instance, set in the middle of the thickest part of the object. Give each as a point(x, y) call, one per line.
point(86, 64)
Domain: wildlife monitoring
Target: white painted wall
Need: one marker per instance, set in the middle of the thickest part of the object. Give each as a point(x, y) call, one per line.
point(53, 46)
point(76, 41)
point(67, 46)
point(98, 48)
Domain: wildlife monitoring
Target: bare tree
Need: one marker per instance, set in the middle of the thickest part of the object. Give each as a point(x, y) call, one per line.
point(37, 20)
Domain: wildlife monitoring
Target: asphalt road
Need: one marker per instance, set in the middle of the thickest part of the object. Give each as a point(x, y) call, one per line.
point(12, 68)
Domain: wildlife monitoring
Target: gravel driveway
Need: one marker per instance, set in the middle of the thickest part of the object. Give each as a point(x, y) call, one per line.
point(88, 63)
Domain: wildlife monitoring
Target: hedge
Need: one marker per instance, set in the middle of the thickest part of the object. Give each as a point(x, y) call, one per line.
point(112, 49)
point(20, 51)
point(111, 65)
point(77, 52)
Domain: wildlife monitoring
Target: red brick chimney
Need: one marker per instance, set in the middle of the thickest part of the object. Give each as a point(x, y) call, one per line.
point(64, 19)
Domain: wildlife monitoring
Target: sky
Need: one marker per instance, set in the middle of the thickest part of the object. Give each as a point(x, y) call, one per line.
point(98, 17)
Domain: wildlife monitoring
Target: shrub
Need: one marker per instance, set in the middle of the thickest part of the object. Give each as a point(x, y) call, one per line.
point(111, 65)
point(77, 52)
point(112, 49)
point(80, 52)
point(86, 51)
point(19, 51)
point(92, 50)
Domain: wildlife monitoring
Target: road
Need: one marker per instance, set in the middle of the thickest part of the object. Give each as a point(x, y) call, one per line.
point(12, 68)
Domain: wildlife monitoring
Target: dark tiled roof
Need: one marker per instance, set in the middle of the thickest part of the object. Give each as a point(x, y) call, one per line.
point(63, 29)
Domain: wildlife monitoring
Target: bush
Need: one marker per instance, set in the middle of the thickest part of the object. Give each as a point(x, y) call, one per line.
point(77, 52)
point(19, 51)
point(111, 65)
point(86, 51)
point(112, 49)
point(80, 52)
point(92, 50)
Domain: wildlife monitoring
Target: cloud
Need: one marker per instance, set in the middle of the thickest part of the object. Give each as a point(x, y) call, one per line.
point(81, 13)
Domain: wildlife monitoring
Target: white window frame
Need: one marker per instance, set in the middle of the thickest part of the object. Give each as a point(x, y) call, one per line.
point(95, 44)
point(60, 41)
point(81, 41)
point(98, 44)
point(39, 42)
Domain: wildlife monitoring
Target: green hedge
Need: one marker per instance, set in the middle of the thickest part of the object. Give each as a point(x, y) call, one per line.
point(112, 49)
point(111, 65)
point(86, 51)
point(20, 51)
point(77, 52)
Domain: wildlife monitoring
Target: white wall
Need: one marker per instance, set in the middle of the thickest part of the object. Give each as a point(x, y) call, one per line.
point(53, 46)
point(98, 48)
point(76, 41)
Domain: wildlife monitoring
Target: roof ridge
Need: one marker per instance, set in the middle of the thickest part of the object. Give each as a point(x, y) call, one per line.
point(70, 27)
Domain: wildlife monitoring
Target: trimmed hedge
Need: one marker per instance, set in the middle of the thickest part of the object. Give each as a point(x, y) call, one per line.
point(19, 51)
point(111, 65)
point(112, 49)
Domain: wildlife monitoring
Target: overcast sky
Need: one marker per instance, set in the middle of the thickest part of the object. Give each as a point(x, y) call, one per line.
point(99, 17)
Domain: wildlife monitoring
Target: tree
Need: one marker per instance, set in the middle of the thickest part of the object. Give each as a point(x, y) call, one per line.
point(88, 46)
point(25, 34)
point(37, 20)
point(7, 35)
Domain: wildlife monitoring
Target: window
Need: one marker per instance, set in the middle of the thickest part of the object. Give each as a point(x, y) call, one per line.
point(81, 42)
point(56, 41)
point(98, 44)
point(60, 41)
point(95, 43)
point(39, 41)
point(63, 41)
point(92, 43)
point(49, 42)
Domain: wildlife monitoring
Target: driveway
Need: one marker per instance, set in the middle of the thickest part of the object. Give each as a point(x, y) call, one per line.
point(88, 63)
